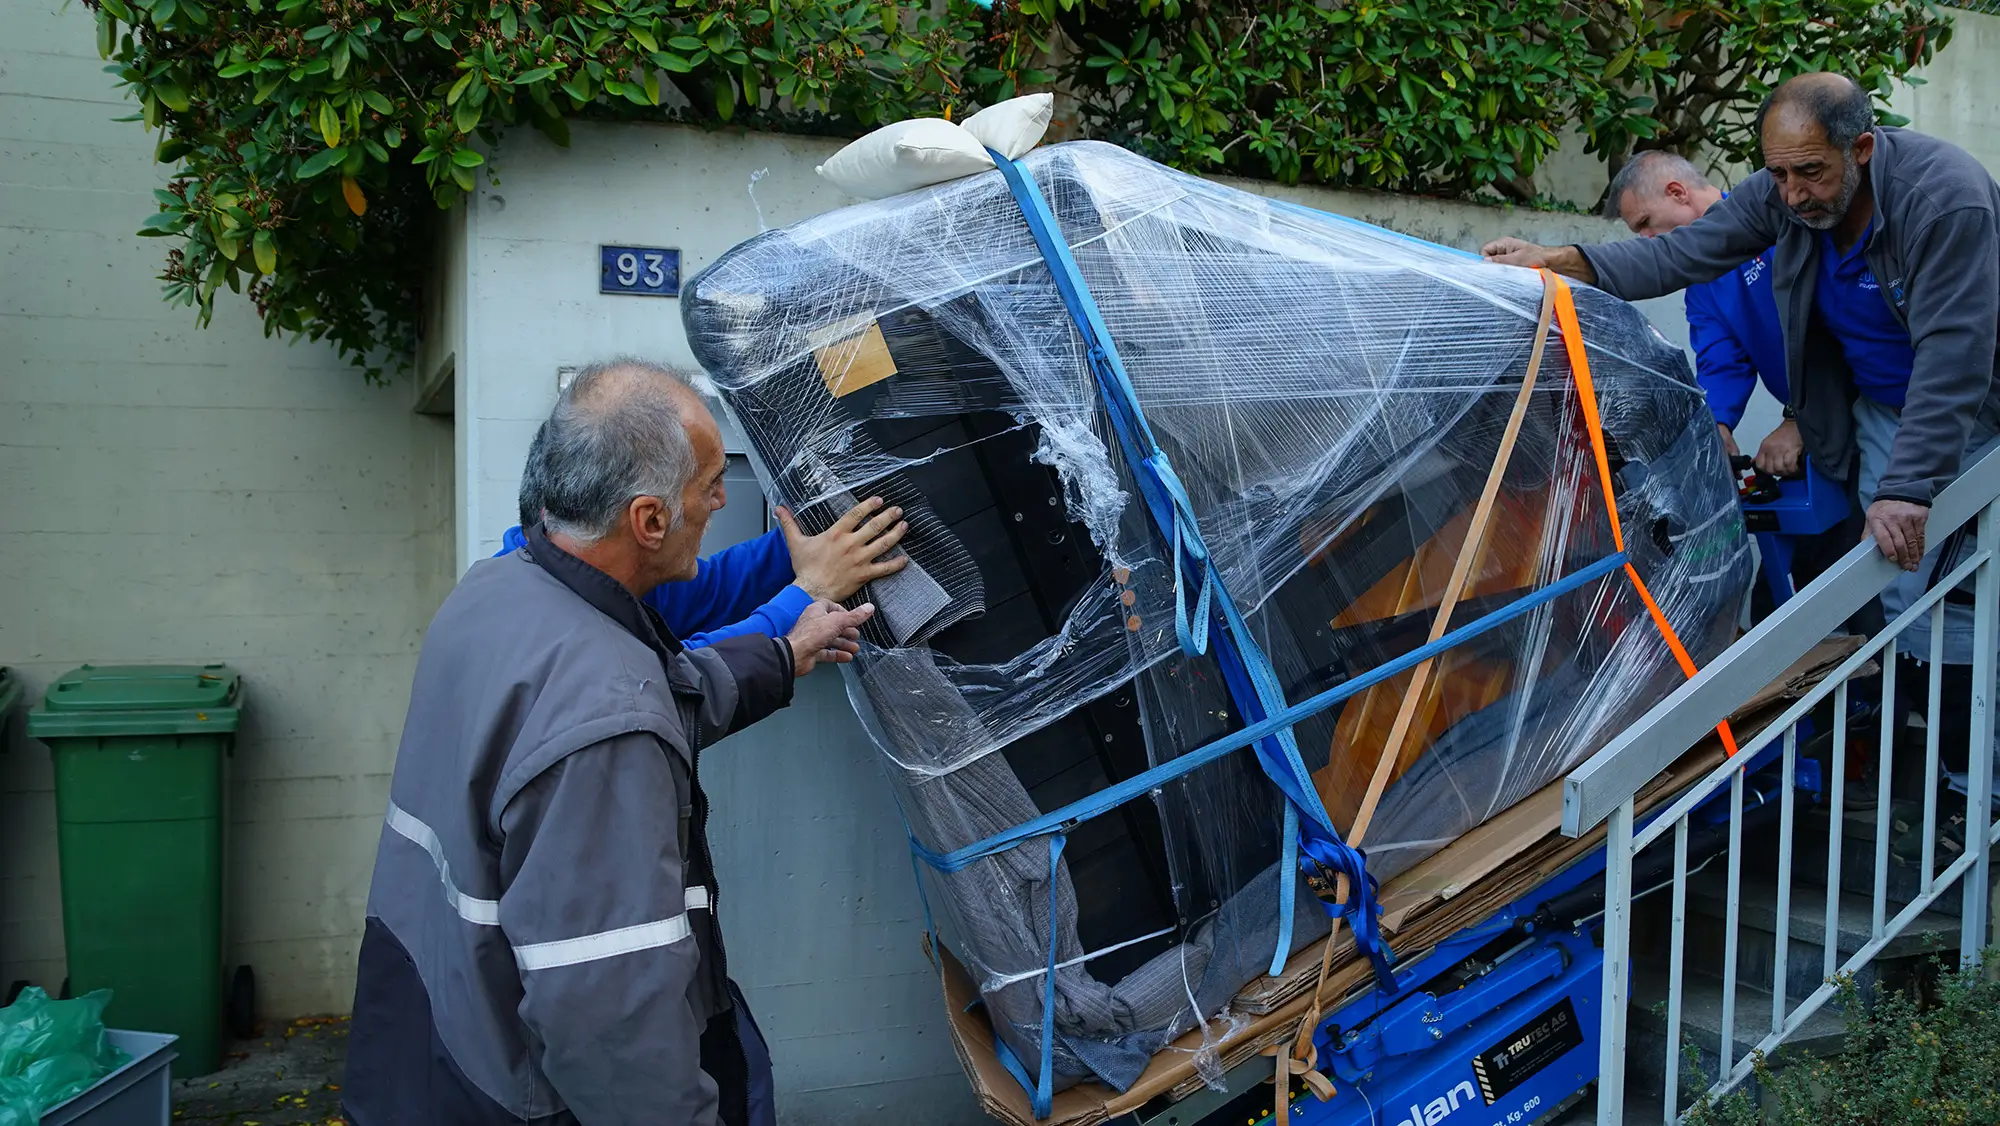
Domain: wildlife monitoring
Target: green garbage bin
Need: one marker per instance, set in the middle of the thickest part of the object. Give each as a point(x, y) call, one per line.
point(139, 755)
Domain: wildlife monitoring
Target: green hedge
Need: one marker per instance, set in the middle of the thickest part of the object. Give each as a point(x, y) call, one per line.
point(314, 141)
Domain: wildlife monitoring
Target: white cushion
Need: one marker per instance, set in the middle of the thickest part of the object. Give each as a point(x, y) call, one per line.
point(1014, 126)
point(904, 157)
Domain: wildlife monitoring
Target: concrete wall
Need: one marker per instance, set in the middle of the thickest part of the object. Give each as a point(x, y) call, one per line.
point(530, 271)
point(1960, 97)
point(172, 494)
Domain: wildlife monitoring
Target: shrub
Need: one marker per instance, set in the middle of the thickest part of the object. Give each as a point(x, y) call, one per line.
point(314, 141)
point(1905, 1063)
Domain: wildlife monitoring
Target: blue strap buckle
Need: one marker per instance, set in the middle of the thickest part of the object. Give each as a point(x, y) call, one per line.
point(1323, 862)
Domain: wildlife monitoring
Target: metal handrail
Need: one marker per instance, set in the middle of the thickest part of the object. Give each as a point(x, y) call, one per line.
point(1640, 752)
point(1604, 789)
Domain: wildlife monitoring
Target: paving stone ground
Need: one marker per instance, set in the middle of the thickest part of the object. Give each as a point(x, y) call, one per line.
point(288, 1077)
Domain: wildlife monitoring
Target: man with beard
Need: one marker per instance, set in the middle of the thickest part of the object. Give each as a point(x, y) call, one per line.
point(1887, 277)
point(1734, 331)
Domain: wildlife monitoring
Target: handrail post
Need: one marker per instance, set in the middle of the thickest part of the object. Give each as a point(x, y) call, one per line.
point(1979, 744)
point(1617, 966)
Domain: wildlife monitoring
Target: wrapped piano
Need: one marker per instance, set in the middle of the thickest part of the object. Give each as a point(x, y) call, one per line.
point(1256, 556)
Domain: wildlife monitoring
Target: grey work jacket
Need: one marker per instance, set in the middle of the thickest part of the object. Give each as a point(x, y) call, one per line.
point(541, 943)
point(1936, 249)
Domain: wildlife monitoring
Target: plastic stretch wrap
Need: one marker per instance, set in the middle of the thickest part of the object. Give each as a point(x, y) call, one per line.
point(1333, 397)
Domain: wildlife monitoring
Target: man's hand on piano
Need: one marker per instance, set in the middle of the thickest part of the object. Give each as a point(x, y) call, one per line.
point(857, 550)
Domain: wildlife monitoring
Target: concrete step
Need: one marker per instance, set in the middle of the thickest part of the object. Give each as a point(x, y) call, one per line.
point(1857, 861)
point(1701, 1027)
point(1930, 933)
point(1640, 1109)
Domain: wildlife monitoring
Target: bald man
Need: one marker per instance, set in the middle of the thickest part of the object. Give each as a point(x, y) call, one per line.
point(1886, 267)
point(1733, 320)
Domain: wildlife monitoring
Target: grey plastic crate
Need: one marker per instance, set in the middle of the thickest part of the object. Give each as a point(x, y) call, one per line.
point(138, 1094)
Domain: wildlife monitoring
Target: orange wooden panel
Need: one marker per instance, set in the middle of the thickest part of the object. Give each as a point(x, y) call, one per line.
point(1508, 562)
point(1461, 685)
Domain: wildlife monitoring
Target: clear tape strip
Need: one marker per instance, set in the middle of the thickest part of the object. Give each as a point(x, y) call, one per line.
point(1000, 981)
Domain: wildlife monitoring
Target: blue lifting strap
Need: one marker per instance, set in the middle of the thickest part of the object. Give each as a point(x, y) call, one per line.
point(1045, 1082)
point(1254, 687)
point(1237, 652)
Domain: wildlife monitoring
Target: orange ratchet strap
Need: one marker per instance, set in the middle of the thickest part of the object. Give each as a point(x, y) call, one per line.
point(1579, 363)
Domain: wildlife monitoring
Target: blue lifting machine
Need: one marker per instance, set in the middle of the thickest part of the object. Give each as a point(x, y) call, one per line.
point(1498, 1025)
point(1778, 511)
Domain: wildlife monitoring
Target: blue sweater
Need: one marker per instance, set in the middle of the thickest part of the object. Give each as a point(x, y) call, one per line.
point(1733, 325)
point(1851, 305)
point(722, 600)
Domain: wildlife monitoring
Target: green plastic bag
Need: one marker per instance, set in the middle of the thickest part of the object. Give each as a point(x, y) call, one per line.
point(50, 1052)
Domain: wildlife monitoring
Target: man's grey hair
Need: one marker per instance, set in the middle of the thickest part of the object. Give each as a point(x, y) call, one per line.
point(530, 498)
point(616, 433)
point(1648, 172)
point(1842, 108)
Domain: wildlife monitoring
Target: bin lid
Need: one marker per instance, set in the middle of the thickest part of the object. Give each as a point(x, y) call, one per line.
point(99, 700)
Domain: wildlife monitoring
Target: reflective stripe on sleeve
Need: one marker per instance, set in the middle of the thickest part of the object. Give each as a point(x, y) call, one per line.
point(610, 944)
point(484, 912)
point(605, 944)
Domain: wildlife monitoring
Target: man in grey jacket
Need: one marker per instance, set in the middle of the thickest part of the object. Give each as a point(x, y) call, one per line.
point(1887, 268)
point(542, 942)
